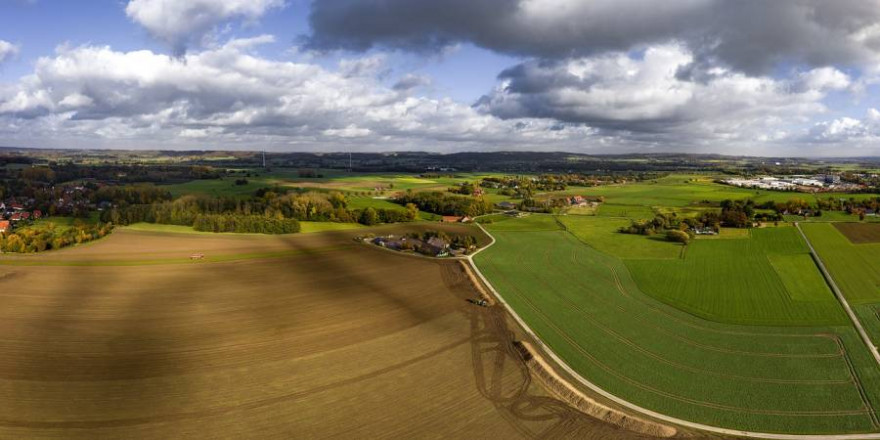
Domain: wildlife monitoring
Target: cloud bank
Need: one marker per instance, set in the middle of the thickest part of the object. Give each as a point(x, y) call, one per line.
point(747, 35)
point(237, 98)
point(725, 76)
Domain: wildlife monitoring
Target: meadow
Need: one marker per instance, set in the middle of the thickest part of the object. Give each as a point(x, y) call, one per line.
point(808, 373)
point(601, 234)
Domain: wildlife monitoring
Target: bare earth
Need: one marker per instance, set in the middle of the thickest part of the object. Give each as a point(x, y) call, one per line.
point(859, 233)
point(324, 338)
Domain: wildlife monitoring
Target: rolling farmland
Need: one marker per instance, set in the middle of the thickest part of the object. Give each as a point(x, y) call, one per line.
point(855, 268)
point(809, 373)
point(768, 279)
point(268, 337)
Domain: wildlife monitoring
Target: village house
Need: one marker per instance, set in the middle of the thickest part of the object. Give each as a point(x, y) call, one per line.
point(438, 247)
point(4, 226)
point(577, 201)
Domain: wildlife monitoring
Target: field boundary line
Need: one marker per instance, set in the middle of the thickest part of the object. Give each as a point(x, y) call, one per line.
point(849, 311)
point(840, 297)
point(629, 405)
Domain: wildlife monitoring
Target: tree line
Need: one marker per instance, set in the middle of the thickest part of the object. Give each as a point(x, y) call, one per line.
point(733, 214)
point(270, 206)
point(445, 203)
point(51, 237)
point(255, 224)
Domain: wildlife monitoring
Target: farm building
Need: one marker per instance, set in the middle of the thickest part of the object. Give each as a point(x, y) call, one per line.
point(456, 219)
point(4, 226)
point(437, 246)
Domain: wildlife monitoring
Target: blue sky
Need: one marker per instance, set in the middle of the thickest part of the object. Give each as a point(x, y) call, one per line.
point(465, 73)
point(448, 75)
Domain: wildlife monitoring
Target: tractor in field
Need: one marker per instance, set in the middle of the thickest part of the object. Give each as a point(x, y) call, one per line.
point(479, 302)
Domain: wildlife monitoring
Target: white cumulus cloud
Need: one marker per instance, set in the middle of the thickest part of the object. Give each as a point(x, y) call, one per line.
point(7, 50)
point(182, 22)
point(96, 95)
point(646, 97)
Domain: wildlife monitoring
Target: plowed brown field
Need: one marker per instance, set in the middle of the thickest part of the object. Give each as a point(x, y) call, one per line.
point(859, 233)
point(279, 337)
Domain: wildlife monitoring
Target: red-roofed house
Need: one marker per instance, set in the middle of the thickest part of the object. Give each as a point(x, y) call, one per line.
point(38, 214)
point(25, 215)
point(17, 206)
point(15, 217)
point(451, 219)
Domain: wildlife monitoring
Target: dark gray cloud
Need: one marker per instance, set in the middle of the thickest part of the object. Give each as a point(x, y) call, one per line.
point(750, 35)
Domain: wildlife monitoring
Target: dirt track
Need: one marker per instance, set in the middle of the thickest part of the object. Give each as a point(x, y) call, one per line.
point(348, 343)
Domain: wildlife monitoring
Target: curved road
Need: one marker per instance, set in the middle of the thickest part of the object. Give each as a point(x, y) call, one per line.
point(658, 416)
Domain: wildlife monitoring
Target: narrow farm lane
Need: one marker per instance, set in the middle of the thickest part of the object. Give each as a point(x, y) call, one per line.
point(840, 297)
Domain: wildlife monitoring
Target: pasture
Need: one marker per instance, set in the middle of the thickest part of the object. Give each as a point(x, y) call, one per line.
point(601, 234)
point(808, 372)
point(312, 336)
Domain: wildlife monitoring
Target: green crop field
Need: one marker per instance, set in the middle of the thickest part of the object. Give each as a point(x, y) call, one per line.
point(767, 279)
point(634, 199)
point(855, 268)
point(807, 373)
point(680, 191)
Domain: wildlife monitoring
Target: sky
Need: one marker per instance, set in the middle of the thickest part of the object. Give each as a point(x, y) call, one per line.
point(738, 77)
